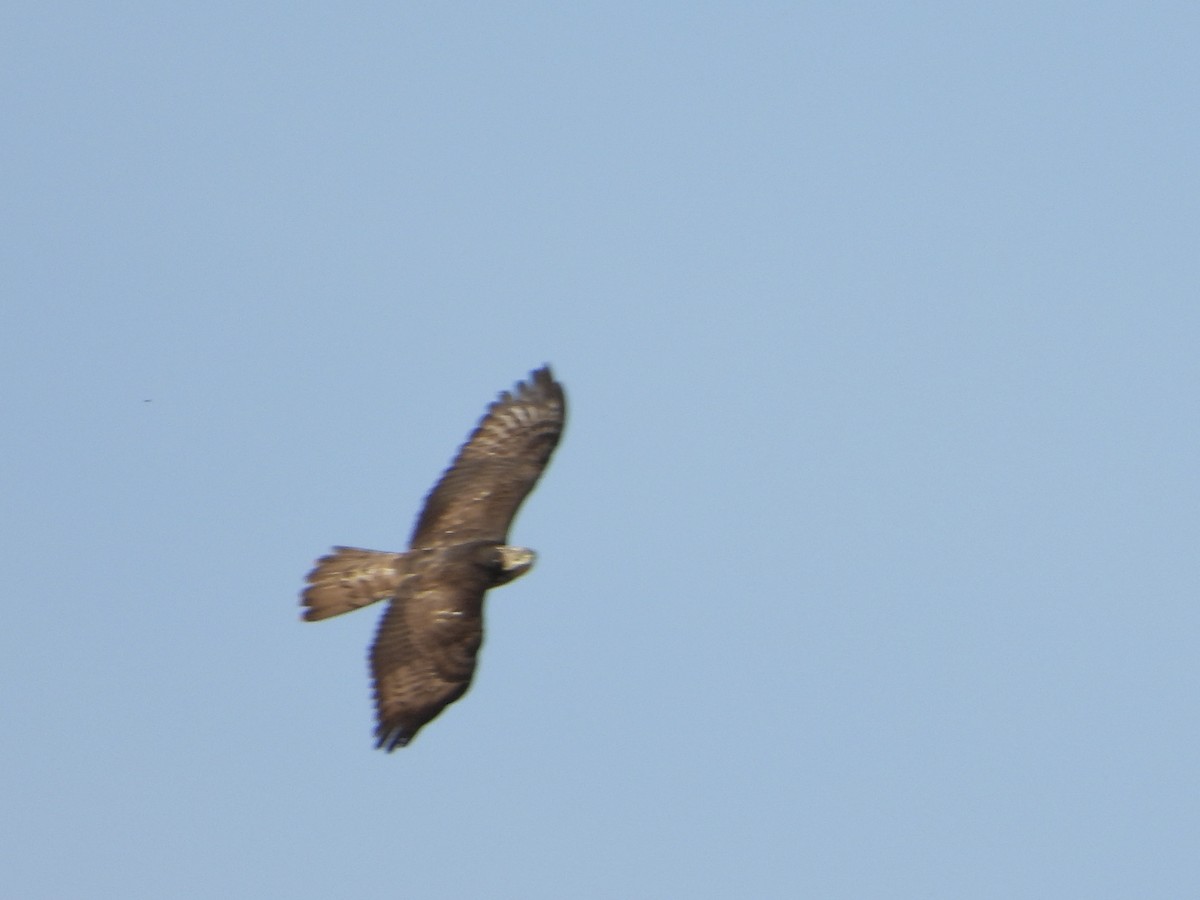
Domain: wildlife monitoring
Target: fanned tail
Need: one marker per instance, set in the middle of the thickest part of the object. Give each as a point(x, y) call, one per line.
point(350, 578)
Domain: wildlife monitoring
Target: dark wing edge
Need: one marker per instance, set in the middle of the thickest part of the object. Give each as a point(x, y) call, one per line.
point(478, 496)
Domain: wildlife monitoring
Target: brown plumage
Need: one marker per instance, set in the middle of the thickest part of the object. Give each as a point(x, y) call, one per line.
point(423, 657)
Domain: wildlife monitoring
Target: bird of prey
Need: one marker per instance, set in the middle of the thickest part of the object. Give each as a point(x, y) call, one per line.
point(424, 651)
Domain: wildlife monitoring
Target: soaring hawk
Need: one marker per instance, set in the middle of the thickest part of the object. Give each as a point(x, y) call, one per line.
point(424, 651)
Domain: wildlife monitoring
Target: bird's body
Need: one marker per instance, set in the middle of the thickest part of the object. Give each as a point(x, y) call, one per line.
point(424, 653)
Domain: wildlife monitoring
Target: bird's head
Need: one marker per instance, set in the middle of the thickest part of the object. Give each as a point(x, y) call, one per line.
point(514, 562)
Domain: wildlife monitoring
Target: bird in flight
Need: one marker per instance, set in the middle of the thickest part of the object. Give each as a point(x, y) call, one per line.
point(424, 652)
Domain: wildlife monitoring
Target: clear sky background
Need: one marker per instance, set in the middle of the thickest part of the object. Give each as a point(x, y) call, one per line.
point(868, 563)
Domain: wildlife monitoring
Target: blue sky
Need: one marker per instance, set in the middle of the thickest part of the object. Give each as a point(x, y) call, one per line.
point(867, 563)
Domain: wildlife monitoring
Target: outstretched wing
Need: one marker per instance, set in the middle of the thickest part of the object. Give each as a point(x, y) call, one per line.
point(478, 496)
point(423, 657)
